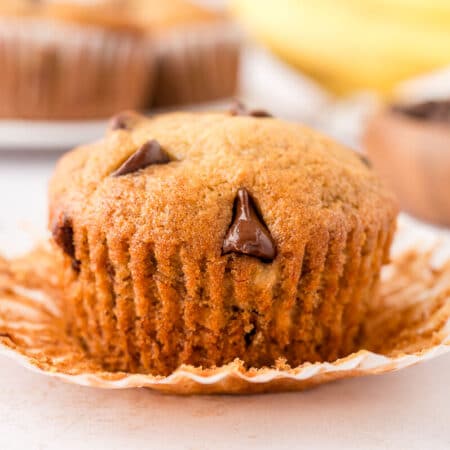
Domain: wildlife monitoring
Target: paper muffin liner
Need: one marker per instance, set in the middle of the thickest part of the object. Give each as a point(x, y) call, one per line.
point(410, 324)
point(146, 307)
point(55, 70)
point(196, 63)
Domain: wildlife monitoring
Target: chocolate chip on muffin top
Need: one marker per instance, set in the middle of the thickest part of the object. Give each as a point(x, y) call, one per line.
point(240, 109)
point(433, 110)
point(248, 234)
point(148, 154)
point(120, 122)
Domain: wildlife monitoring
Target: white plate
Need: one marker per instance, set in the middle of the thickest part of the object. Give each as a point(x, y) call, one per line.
point(291, 96)
point(47, 135)
point(65, 134)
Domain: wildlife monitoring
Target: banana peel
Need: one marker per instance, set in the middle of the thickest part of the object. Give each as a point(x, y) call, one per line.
point(350, 45)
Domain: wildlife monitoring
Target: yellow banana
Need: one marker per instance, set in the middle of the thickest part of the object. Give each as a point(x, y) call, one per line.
point(350, 44)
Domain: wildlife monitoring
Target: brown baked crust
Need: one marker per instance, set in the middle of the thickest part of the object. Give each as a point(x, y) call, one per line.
point(130, 15)
point(156, 15)
point(154, 290)
point(18, 8)
point(108, 14)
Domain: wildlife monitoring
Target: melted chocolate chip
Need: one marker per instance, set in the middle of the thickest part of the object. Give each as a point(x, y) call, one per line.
point(433, 111)
point(248, 234)
point(239, 109)
point(260, 113)
point(120, 122)
point(76, 265)
point(365, 160)
point(62, 232)
point(150, 153)
point(110, 271)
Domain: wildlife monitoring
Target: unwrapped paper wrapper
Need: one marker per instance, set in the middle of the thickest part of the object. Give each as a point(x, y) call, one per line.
point(411, 324)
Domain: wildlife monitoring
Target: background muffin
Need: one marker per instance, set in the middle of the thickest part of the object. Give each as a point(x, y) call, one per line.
point(200, 238)
point(197, 51)
point(67, 60)
point(409, 146)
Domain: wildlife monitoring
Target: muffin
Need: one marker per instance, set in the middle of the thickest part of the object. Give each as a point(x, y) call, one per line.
point(68, 60)
point(197, 51)
point(409, 146)
point(201, 238)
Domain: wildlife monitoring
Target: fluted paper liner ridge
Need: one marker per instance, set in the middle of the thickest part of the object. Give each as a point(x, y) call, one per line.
point(410, 325)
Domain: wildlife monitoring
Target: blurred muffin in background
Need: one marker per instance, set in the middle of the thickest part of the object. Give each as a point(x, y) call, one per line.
point(409, 144)
point(197, 51)
point(71, 60)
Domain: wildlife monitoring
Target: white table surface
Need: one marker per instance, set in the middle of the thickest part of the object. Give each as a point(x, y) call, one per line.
point(404, 410)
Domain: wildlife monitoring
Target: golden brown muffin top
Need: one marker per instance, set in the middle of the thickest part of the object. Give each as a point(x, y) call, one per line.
point(111, 14)
point(298, 181)
point(18, 7)
point(160, 15)
point(116, 14)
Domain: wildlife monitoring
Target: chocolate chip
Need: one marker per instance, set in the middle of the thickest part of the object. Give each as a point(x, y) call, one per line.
point(435, 110)
point(249, 337)
point(365, 160)
point(63, 235)
point(120, 122)
point(260, 113)
point(247, 233)
point(239, 109)
point(62, 232)
point(150, 153)
point(76, 265)
point(110, 271)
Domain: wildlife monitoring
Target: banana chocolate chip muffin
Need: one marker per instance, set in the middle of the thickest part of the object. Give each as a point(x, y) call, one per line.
point(201, 238)
point(71, 60)
point(197, 51)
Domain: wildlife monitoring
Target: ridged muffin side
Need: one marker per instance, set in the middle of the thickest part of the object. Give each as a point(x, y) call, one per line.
point(71, 61)
point(151, 288)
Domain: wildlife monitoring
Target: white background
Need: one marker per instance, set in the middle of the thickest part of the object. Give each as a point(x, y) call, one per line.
point(404, 410)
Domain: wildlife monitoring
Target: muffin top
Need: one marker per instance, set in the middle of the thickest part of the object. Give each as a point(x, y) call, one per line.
point(110, 14)
point(159, 15)
point(188, 179)
point(137, 15)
